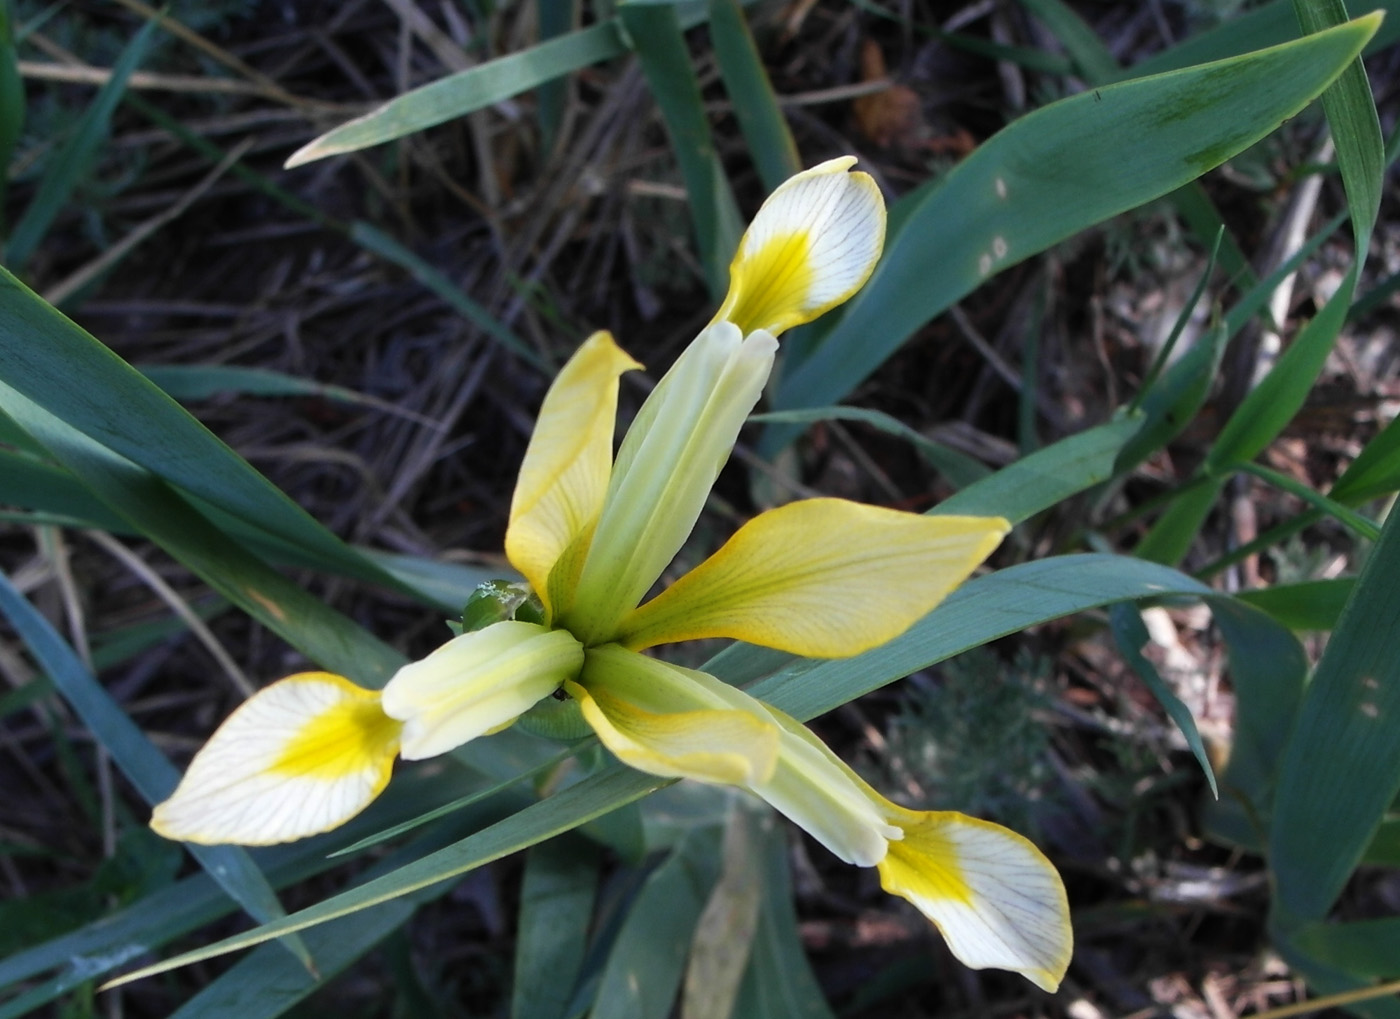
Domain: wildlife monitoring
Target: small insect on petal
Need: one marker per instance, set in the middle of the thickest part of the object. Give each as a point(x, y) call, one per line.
point(298, 758)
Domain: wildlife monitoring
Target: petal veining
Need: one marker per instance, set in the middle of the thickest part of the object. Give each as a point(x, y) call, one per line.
point(567, 466)
point(992, 894)
point(824, 578)
point(300, 757)
point(477, 683)
point(812, 245)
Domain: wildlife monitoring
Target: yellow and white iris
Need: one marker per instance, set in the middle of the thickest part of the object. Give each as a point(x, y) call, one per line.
point(821, 578)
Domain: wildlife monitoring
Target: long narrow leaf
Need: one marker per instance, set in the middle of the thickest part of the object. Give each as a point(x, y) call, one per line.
point(264, 986)
point(156, 510)
point(73, 158)
point(140, 761)
point(11, 99)
point(1171, 404)
point(779, 983)
point(755, 104)
point(563, 812)
point(556, 911)
point(1048, 476)
point(59, 367)
point(1131, 635)
point(1376, 471)
point(1268, 669)
point(656, 34)
point(647, 959)
point(959, 469)
point(1052, 173)
point(1262, 415)
point(461, 93)
point(1171, 536)
point(1310, 605)
point(1356, 129)
point(1341, 769)
point(170, 912)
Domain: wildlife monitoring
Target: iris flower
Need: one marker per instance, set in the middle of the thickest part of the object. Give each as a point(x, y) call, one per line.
point(591, 535)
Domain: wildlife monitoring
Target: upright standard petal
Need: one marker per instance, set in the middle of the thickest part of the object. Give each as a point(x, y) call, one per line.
point(674, 722)
point(668, 462)
point(564, 476)
point(813, 244)
point(824, 578)
point(298, 758)
point(994, 897)
point(477, 683)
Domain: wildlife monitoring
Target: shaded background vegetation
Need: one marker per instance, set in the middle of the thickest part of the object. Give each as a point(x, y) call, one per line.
point(399, 421)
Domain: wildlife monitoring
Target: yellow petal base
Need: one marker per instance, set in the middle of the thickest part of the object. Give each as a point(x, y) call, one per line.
point(301, 757)
point(812, 245)
point(825, 578)
point(994, 897)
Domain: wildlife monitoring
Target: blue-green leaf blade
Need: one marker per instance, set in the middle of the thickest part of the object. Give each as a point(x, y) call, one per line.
point(73, 158)
point(143, 764)
point(461, 93)
point(1057, 171)
point(1341, 769)
point(55, 364)
point(1048, 476)
point(1131, 635)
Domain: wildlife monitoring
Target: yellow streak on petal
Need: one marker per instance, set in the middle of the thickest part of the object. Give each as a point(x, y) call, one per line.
point(992, 894)
point(772, 284)
point(352, 735)
point(925, 864)
point(823, 578)
point(812, 245)
point(300, 757)
point(567, 465)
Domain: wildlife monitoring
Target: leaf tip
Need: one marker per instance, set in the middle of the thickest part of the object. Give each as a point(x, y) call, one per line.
point(308, 153)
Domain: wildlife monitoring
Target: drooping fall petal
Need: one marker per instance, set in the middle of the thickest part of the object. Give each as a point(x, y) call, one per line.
point(668, 462)
point(564, 476)
point(812, 245)
point(674, 722)
point(824, 578)
point(994, 897)
point(477, 683)
point(298, 758)
point(818, 792)
point(992, 894)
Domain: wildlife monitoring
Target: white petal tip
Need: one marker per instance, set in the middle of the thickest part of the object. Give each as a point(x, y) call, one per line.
point(299, 758)
point(994, 897)
point(813, 244)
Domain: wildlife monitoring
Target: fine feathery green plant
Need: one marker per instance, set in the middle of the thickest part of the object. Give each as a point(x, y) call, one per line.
point(821, 601)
